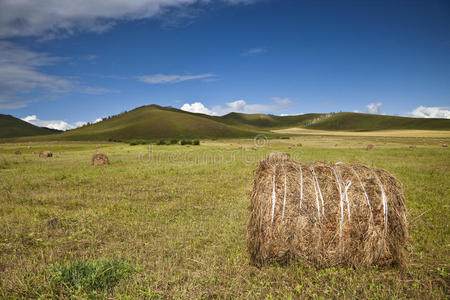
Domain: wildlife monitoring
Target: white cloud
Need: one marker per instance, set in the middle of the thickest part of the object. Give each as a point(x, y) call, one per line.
point(374, 108)
point(431, 112)
point(165, 78)
point(56, 18)
point(197, 107)
point(80, 123)
point(239, 106)
point(55, 124)
point(253, 51)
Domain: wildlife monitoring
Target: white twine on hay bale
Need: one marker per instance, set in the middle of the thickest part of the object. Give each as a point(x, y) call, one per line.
point(301, 193)
point(359, 234)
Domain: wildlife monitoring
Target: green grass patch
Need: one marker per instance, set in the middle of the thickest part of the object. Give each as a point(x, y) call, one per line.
point(88, 277)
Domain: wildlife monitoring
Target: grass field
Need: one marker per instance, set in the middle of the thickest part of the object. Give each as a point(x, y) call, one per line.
point(170, 221)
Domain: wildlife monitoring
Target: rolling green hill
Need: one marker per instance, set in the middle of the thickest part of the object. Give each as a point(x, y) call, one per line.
point(348, 121)
point(154, 122)
point(14, 127)
point(263, 121)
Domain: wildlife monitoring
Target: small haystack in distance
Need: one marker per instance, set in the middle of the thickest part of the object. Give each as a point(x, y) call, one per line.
point(412, 146)
point(326, 214)
point(370, 147)
point(99, 159)
point(17, 152)
point(444, 145)
point(46, 154)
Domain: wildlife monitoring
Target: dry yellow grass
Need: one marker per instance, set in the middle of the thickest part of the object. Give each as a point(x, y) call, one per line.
point(383, 133)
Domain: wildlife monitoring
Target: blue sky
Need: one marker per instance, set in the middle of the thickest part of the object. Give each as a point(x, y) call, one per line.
point(68, 62)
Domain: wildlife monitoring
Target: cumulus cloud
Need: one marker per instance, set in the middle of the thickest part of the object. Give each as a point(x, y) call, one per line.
point(56, 18)
point(55, 124)
point(431, 112)
point(253, 51)
point(197, 107)
point(239, 106)
point(374, 108)
point(165, 78)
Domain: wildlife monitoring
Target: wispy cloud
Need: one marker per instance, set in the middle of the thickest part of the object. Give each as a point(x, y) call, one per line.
point(277, 105)
point(19, 76)
point(22, 82)
point(173, 78)
point(374, 108)
point(96, 90)
point(431, 112)
point(253, 51)
point(54, 19)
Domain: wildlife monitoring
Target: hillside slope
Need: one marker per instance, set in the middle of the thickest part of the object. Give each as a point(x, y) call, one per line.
point(348, 121)
point(13, 127)
point(153, 122)
point(263, 121)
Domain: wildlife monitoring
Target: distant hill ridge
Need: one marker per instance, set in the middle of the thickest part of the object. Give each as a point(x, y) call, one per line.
point(13, 127)
point(153, 122)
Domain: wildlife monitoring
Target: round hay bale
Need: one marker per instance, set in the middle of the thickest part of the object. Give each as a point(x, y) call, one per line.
point(46, 154)
point(17, 152)
point(444, 145)
point(325, 214)
point(99, 159)
point(412, 146)
point(370, 147)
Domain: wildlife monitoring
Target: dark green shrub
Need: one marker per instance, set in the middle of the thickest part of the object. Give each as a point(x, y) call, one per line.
point(285, 138)
point(186, 142)
point(173, 141)
point(161, 142)
point(196, 142)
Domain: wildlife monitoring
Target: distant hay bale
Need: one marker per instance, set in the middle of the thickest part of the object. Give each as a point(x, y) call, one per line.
point(444, 145)
point(46, 154)
point(336, 145)
point(99, 159)
point(370, 147)
point(17, 152)
point(326, 214)
point(299, 145)
point(412, 146)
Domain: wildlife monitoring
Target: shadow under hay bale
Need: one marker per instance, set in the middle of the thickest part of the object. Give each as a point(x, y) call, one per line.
point(99, 159)
point(325, 214)
point(370, 147)
point(46, 154)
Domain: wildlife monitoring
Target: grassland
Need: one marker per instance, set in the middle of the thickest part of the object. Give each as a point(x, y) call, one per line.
point(170, 221)
point(376, 133)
